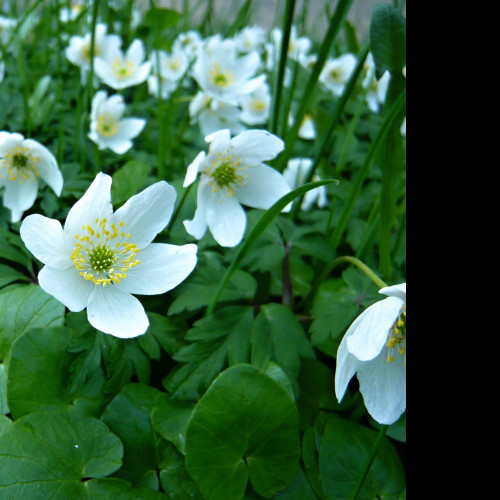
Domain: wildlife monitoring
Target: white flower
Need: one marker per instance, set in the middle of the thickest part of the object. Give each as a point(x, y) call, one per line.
point(172, 66)
point(225, 76)
point(190, 42)
point(120, 71)
point(298, 48)
point(374, 347)
point(337, 72)
point(296, 174)
point(100, 259)
point(68, 14)
point(7, 27)
point(233, 173)
point(256, 107)
point(108, 128)
point(213, 115)
point(307, 130)
point(22, 163)
point(249, 39)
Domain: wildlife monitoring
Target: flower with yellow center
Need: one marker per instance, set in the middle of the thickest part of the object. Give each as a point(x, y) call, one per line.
point(233, 174)
point(374, 347)
point(101, 258)
point(337, 72)
point(257, 106)
point(121, 70)
point(108, 128)
point(23, 162)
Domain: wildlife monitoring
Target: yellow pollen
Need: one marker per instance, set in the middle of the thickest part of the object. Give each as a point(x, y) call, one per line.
point(226, 174)
point(123, 68)
point(219, 78)
point(397, 338)
point(19, 165)
point(107, 126)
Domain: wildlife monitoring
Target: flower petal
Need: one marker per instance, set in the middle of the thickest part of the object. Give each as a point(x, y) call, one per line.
point(95, 203)
point(368, 335)
point(116, 312)
point(398, 291)
point(162, 268)
point(226, 219)
point(147, 213)
point(193, 170)
point(67, 286)
point(383, 386)
point(20, 197)
point(198, 226)
point(47, 241)
point(130, 128)
point(257, 145)
point(47, 166)
point(264, 187)
point(347, 366)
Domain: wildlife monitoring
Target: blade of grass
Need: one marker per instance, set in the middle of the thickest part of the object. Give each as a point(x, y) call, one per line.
point(257, 232)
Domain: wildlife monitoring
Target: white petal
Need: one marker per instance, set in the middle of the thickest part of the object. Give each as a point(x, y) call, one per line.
point(67, 286)
point(198, 226)
point(20, 197)
point(226, 219)
point(116, 312)
point(398, 291)
point(264, 187)
point(147, 213)
point(136, 52)
point(162, 268)
point(46, 240)
point(193, 170)
point(347, 366)
point(383, 386)
point(219, 141)
point(98, 100)
point(47, 166)
point(368, 335)
point(131, 127)
point(95, 203)
point(257, 145)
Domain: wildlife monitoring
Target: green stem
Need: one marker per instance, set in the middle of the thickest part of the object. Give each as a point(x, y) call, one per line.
point(178, 209)
point(369, 463)
point(90, 81)
point(279, 82)
point(390, 119)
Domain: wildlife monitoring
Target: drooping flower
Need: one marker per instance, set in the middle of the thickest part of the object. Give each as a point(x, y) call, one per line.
point(121, 70)
point(108, 128)
point(225, 76)
point(337, 72)
point(374, 347)
point(232, 174)
point(101, 259)
point(298, 47)
point(22, 163)
point(296, 174)
point(256, 107)
point(376, 89)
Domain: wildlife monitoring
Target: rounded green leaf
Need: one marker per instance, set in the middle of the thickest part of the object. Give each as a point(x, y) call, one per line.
point(245, 427)
point(49, 455)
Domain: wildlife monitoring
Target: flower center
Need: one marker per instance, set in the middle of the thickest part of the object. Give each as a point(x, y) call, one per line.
point(86, 50)
point(336, 75)
point(103, 254)
point(107, 125)
point(259, 106)
point(123, 68)
point(19, 165)
point(397, 337)
point(226, 174)
point(219, 78)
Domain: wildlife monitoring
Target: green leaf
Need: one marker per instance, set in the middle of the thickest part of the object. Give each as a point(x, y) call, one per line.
point(388, 39)
point(161, 19)
point(40, 375)
point(345, 448)
point(129, 417)
point(23, 309)
point(47, 454)
point(244, 428)
point(9, 275)
point(105, 489)
point(4, 423)
point(128, 180)
point(4, 407)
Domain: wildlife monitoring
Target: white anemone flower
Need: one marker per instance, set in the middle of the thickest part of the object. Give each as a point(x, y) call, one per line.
point(232, 174)
point(108, 128)
point(256, 107)
point(101, 259)
point(22, 163)
point(337, 72)
point(296, 174)
point(298, 47)
point(121, 70)
point(251, 38)
point(225, 76)
point(172, 66)
point(191, 43)
point(374, 347)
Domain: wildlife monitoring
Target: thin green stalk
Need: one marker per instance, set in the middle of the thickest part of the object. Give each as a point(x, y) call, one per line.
point(369, 463)
point(90, 81)
point(21, 65)
point(336, 24)
point(339, 108)
point(241, 20)
point(371, 226)
point(350, 136)
point(179, 208)
point(336, 236)
point(59, 92)
point(279, 81)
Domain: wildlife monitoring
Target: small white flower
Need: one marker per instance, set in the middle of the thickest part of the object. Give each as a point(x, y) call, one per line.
point(337, 72)
point(298, 48)
point(256, 107)
point(232, 174)
point(7, 28)
point(108, 128)
point(100, 259)
point(296, 174)
point(374, 347)
point(249, 39)
point(307, 130)
point(213, 115)
point(223, 75)
point(69, 14)
point(191, 43)
point(22, 163)
point(121, 70)
point(172, 66)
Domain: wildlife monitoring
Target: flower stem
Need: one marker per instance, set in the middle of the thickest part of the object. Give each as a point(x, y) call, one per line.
point(369, 463)
point(178, 209)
